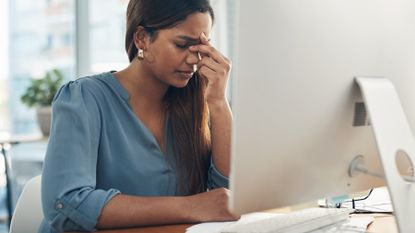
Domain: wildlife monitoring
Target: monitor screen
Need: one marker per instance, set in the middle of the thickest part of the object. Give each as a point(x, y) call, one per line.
point(299, 116)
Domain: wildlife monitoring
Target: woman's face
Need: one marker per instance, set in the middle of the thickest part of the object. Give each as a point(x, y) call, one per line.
point(169, 58)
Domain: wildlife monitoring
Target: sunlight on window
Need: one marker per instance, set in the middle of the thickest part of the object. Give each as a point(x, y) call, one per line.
point(42, 38)
point(107, 28)
point(4, 71)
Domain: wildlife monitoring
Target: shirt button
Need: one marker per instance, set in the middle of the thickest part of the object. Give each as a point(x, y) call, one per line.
point(59, 206)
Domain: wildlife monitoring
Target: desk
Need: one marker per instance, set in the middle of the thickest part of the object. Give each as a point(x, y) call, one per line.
point(383, 223)
point(181, 228)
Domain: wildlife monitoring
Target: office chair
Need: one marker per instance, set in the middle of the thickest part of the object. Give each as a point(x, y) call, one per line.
point(28, 213)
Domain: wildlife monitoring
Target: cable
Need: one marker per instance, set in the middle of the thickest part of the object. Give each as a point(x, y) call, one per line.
point(353, 200)
point(362, 211)
point(361, 199)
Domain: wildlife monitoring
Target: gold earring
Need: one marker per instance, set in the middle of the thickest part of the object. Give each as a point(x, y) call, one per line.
point(140, 54)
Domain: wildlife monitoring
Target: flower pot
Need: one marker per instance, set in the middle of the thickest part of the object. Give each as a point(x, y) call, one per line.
point(44, 117)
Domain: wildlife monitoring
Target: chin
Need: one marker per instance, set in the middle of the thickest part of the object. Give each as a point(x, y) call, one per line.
point(179, 83)
point(179, 80)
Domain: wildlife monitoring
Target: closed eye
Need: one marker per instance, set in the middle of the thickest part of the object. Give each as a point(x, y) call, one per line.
point(185, 46)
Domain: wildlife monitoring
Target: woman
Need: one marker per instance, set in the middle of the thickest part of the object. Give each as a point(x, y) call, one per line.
point(149, 144)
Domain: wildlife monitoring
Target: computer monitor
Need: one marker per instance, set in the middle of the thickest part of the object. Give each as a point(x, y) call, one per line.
point(299, 116)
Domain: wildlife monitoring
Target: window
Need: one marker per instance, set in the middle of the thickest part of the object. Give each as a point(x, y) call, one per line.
point(4, 72)
point(107, 31)
point(224, 33)
point(41, 38)
point(44, 36)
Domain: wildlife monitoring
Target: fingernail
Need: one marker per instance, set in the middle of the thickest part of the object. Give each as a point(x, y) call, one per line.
point(192, 47)
point(204, 36)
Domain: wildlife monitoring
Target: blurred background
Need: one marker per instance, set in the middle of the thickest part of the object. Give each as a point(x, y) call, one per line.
point(76, 38)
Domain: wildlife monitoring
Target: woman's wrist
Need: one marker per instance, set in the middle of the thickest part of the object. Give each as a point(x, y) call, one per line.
point(218, 105)
point(188, 204)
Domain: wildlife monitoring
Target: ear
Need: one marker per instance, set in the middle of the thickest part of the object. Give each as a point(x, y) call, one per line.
point(141, 38)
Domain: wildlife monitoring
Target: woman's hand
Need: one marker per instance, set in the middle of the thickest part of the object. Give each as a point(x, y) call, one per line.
point(215, 68)
point(210, 206)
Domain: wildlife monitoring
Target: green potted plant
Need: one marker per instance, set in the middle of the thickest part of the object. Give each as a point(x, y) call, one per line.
point(39, 94)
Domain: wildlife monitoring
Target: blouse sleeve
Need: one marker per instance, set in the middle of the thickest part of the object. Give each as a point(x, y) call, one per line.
point(215, 178)
point(70, 199)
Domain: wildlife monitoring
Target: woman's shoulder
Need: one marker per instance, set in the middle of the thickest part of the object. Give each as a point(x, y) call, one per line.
point(91, 82)
point(82, 88)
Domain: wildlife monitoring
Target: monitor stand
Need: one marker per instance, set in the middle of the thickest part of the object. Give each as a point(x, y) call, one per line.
point(393, 135)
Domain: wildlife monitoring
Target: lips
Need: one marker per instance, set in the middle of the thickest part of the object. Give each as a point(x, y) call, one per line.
point(186, 71)
point(186, 74)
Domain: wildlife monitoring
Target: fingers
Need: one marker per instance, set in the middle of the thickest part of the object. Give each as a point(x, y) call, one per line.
point(213, 66)
point(205, 72)
point(204, 39)
point(222, 67)
point(208, 50)
point(210, 63)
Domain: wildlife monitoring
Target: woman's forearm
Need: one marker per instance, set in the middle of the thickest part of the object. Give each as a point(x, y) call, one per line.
point(124, 211)
point(221, 120)
point(130, 211)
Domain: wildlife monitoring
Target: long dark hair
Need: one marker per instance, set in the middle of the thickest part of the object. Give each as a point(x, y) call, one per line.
point(187, 107)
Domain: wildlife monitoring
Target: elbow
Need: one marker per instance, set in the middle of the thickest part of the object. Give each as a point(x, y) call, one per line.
point(75, 210)
point(58, 216)
point(62, 213)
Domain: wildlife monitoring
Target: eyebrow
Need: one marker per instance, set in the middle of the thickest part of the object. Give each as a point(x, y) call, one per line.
point(189, 39)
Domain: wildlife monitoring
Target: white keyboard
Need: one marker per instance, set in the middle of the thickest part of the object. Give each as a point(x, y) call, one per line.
point(295, 222)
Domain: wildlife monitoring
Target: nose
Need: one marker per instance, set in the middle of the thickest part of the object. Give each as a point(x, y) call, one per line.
point(192, 58)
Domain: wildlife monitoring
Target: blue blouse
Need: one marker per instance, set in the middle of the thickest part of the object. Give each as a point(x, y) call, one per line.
point(97, 149)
